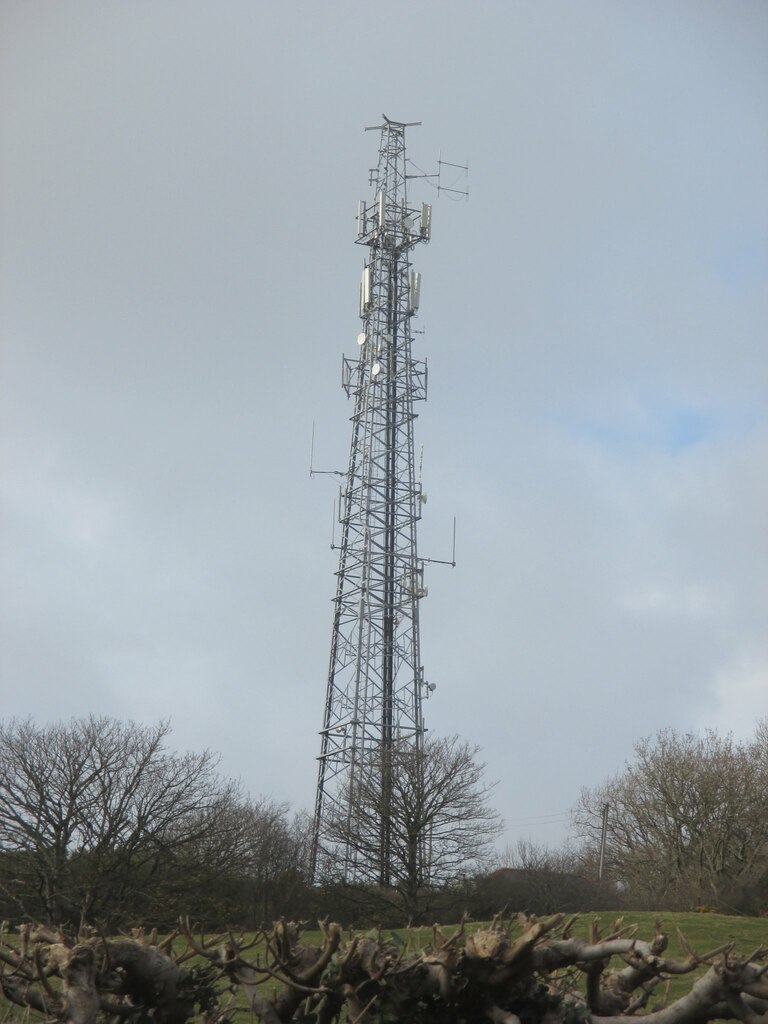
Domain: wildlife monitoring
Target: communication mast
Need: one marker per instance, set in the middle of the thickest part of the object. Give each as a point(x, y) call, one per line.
point(375, 677)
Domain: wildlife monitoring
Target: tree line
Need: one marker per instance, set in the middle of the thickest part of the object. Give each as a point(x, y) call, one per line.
point(687, 822)
point(683, 826)
point(100, 821)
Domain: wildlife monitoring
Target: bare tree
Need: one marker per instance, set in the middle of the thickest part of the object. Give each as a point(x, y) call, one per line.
point(441, 824)
point(687, 819)
point(91, 812)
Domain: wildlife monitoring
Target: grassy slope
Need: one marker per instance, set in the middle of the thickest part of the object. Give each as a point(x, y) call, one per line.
point(704, 932)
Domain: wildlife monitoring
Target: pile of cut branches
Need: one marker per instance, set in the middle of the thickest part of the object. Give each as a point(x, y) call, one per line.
point(538, 973)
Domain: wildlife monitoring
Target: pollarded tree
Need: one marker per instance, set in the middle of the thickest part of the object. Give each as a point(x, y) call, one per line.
point(92, 812)
point(687, 820)
point(538, 971)
point(441, 824)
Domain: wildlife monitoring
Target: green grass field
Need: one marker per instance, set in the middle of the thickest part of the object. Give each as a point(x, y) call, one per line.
point(703, 932)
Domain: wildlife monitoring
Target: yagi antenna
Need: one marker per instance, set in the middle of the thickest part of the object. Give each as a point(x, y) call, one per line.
point(436, 179)
point(459, 167)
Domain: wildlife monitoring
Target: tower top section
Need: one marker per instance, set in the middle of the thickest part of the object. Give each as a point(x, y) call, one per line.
point(396, 125)
point(390, 223)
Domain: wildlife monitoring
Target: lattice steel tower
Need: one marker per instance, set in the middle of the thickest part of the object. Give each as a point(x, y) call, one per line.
point(375, 677)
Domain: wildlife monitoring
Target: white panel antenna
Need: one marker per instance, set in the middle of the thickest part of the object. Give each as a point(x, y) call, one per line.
point(365, 291)
point(414, 291)
point(426, 221)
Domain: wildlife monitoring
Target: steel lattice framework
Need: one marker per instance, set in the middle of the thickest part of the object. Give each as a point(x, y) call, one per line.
point(375, 677)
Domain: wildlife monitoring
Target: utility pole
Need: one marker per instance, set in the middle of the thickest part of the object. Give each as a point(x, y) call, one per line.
point(603, 839)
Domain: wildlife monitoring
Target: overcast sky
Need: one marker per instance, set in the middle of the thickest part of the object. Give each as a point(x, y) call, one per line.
point(179, 283)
